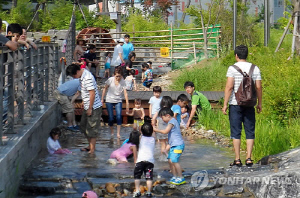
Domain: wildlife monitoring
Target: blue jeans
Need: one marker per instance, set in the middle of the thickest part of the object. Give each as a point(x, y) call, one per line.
point(110, 110)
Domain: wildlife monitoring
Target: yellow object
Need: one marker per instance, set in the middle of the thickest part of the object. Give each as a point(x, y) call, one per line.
point(164, 52)
point(45, 38)
point(177, 151)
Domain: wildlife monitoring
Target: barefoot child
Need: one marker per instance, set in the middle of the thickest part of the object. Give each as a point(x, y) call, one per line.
point(154, 102)
point(128, 148)
point(138, 114)
point(145, 160)
point(176, 142)
point(53, 145)
point(166, 102)
point(182, 101)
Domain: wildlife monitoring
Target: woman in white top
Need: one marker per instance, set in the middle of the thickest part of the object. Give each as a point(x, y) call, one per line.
point(115, 86)
point(79, 51)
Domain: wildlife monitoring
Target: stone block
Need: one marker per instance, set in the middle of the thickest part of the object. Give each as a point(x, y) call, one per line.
point(232, 189)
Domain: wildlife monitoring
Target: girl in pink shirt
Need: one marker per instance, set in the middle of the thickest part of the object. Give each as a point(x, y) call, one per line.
point(128, 148)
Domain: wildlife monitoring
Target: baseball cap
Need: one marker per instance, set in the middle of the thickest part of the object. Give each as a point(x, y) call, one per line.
point(89, 194)
point(121, 40)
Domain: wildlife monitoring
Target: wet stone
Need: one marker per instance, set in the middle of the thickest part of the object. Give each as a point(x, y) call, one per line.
point(80, 187)
point(232, 189)
point(213, 192)
point(45, 187)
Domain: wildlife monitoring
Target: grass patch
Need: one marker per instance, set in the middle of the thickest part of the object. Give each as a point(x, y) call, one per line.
point(278, 126)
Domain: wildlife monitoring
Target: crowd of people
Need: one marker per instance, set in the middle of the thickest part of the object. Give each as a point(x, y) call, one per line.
point(166, 117)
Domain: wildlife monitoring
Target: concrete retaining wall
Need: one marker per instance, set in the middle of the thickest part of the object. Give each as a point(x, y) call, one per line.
point(16, 156)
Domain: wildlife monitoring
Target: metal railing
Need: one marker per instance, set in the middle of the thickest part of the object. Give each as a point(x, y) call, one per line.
point(27, 80)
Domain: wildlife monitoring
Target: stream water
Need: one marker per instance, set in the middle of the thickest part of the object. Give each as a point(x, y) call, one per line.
point(86, 171)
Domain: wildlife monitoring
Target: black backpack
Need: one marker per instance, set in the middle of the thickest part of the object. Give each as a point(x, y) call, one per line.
point(246, 93)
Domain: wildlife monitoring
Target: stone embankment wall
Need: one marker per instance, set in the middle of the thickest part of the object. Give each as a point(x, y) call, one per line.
point(23, 147)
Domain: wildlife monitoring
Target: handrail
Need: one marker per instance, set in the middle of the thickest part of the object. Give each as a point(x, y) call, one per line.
point(27, 80)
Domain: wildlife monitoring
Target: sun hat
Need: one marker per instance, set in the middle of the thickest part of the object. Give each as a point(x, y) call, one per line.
point(121, 40)
point(89, 194)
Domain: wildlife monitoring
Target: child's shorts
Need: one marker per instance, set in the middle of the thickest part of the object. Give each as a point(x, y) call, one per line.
point(144, 167)
point(138, 122)
point(147, 84)
point(175, 153)
point(107, 66)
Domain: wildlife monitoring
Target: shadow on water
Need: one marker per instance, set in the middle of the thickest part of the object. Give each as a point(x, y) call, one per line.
point(81, 166)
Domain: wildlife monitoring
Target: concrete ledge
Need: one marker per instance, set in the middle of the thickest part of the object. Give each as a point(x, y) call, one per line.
point(23, 147)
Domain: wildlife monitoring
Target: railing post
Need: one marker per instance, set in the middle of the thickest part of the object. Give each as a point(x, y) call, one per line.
point(51, 70)
point(20, 83)
point(47, 64)
point(55, 66)
point(2, 70)
point(41, 75)
point(172, 46)
point(29, 63)
point(11, 95)
point(35, 65)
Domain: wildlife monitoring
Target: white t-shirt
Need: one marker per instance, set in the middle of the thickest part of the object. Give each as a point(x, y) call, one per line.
point(116, 60)
point(155, 102)
point(184, 120)
point(52, 145)
point(88, 82)
point(232, 72)
point(146, 149)
point(129, 82)
point(114, 93)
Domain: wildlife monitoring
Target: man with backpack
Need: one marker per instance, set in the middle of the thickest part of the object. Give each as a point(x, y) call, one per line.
point(243, 90)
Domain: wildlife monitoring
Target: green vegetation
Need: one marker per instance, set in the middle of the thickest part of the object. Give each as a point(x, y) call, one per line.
point(277, 127)
point(55, 15)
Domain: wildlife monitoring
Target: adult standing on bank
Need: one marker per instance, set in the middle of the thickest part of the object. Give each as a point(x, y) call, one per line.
point(127, 47)
point(117, 59)
point(115, 86)
point(238, 113)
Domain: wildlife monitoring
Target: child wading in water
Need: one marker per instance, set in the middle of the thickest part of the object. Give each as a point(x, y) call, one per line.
point(53, 145)
point(138, 114)
point(128, 148)
point(145, 160)
point(176, 142)
point(107, 64)
point(166, 102)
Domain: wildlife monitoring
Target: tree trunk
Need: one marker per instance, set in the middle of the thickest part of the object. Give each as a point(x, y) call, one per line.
point(14, 3)
point(296, 4)
point(184, 14)
point(205, 43)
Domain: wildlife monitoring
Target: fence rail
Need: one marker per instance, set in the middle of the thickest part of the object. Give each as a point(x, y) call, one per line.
point(177, 40)
point(27, 80)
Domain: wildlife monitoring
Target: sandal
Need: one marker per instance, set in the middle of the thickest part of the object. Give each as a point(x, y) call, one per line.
point(247, 162)
point(85, 149)
point(237, 162)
